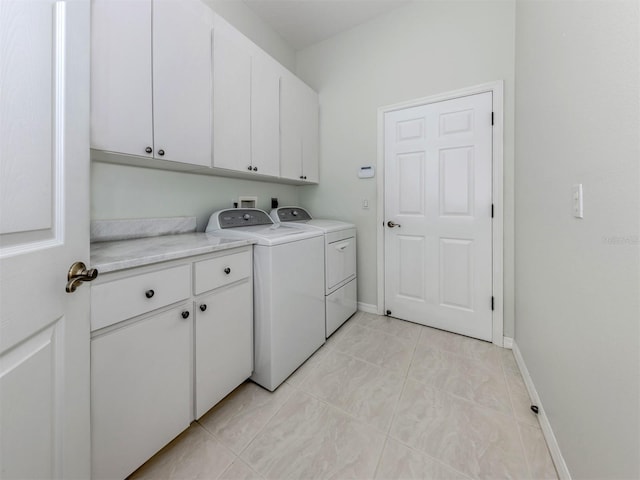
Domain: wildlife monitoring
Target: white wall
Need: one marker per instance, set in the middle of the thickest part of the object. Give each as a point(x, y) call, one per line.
point(578, 281)
point(128, 192)
point(415, 51)
point(242, 17)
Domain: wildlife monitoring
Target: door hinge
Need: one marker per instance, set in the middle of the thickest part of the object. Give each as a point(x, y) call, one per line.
point(492, 210)
point(492, 303)
point(491, 118)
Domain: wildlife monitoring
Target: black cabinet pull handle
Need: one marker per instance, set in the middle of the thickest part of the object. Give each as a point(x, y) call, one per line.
point(148, 149)
point(161, 152)
point(203, 307)
point(185, 314)
point(149, 293)
point(227, 270)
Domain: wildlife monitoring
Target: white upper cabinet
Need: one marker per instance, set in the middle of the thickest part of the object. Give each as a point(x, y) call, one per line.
point(121, 97)
point(170, 80)
point(246, 105)
point(151, 79)
point(265, 114)
point(182, 34)
point(231, 100)
point(298, 131)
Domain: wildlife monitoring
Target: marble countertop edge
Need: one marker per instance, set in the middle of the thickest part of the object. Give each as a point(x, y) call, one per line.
point(119, 255)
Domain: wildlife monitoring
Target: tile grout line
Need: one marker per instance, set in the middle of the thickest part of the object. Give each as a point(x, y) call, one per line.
point(395, 411)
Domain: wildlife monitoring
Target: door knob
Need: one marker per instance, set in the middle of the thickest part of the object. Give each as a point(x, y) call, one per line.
point(79, 273)
point(391, 224)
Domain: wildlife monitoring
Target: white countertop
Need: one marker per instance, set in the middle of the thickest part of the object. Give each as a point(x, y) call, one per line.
point(123, 254)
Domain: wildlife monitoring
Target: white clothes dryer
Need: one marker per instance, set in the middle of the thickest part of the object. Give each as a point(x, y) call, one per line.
point(340, 262)
point(288, 269)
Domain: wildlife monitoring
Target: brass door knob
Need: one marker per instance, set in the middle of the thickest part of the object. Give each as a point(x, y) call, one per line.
point(79, 273)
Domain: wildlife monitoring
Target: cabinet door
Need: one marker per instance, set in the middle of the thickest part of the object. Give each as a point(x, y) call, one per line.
point(224, 343)
point(265, 115)
point(231, 102)
point(310, 133)
point(121, 105)
point(182, 81)
point(140, 391)
point(290, 128)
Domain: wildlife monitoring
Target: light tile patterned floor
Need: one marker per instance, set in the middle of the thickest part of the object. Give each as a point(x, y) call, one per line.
point(382, 399)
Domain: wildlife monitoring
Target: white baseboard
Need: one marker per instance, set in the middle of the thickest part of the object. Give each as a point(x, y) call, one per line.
point(547, 431)
point(507, 342)
point(368, 308)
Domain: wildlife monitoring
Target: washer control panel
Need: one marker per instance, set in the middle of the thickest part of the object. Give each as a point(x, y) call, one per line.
point(243, 217)
point(293, 214)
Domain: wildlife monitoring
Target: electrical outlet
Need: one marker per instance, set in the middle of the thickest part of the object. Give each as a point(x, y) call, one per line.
point(365, 204)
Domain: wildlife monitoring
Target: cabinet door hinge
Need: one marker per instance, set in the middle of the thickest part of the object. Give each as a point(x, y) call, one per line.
point(491, 118)
point(492, 210)
point(492, 303)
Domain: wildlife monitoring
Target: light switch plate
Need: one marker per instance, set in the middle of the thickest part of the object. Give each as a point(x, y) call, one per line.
point(578, 211)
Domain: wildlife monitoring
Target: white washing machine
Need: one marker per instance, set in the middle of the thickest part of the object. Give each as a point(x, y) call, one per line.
point(288, 269)
point(340, 262)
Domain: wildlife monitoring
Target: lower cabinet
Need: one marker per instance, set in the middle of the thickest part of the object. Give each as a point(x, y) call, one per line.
point(224, 343)
point(197, 326)
point(140, 390)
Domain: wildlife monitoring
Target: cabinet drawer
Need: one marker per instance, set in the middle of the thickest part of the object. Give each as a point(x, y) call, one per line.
point(210, 274)
point(118, 300)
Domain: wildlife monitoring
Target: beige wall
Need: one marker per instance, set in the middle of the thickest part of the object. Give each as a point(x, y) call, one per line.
point(128, 192)
point(415, 51)
point(578, 280)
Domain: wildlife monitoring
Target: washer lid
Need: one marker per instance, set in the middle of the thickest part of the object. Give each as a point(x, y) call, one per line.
point(290, 214)
point(254, 224)
point(299, 217)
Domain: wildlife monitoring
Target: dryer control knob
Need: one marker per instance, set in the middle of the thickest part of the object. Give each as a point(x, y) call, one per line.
point(294, 213)
point(246, 216)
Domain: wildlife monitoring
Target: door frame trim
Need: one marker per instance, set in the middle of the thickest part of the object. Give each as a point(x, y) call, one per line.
point(497, 89)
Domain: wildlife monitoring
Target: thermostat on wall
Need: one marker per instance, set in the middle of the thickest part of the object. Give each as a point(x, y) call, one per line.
point(366, 172)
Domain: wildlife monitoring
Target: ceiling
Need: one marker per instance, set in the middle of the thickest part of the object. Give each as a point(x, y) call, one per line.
point(305, 22)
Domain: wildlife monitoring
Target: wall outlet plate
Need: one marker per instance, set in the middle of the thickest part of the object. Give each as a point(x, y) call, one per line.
point(247, 202)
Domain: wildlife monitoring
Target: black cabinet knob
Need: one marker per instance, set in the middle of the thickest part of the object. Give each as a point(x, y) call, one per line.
point(255, 169)
point(227, 270)
point(203, 307)
point(161, 152)
point(185, 314)
point(148, 149)
point(305, 177)
point(301, 177)
point(249, 168)
point(149, 293)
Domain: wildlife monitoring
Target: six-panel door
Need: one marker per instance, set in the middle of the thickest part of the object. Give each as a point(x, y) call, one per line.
point(438, 180)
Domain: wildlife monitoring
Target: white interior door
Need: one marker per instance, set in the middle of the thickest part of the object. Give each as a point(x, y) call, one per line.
point(438, 179)
point(44, 227)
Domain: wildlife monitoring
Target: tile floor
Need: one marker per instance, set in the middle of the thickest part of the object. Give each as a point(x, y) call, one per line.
point(381, 399)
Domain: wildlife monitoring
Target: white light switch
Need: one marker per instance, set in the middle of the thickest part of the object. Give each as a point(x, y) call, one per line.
point(365, 204)
point(577, 201)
